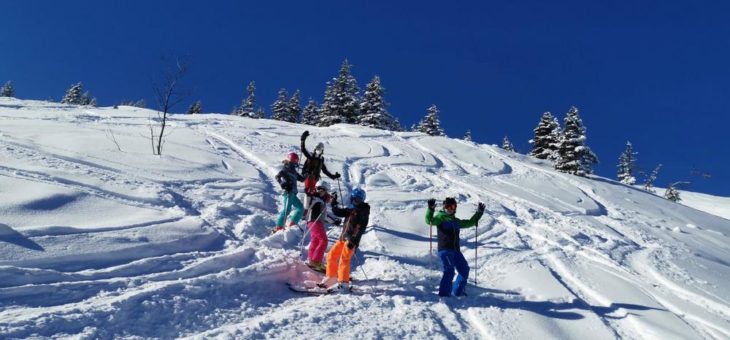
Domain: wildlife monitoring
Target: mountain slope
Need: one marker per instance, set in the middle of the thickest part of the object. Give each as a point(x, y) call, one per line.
point(101, 242)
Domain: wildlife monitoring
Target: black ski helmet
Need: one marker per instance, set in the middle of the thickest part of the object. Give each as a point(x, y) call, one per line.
point(449, 201)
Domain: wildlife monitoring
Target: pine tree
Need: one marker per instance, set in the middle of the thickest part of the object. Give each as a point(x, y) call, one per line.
point(430, 124)
point(507, 145)
point(196, 107)
point(672, 193)
point(280, 107)
point(547, 135)
point(310, 115)
point(467, 136)
point(341, 101)
point(260, 113)
point(373, 112)
point(8, 90)
point(575, 156)
point(626, 164)
point(74, 95)
point(649, 182)
point(396, 126)
point(87, 99)
point(246, 109)
point(295, 108)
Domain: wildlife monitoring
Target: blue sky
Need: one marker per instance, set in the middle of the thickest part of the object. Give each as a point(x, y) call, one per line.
point(656, 73)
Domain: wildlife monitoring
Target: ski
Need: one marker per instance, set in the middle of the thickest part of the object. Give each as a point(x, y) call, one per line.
point(314, 290)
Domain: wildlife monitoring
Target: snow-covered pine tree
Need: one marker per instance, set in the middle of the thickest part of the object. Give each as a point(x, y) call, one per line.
point(672, 193)
point(626, 163)
point(649, 182)
point(467, 136)
point(310, 115)
point(372, 109)
point(547, 135)
point(8, 90)
point(87, 99)
point(295, 108)
point(195, 108)
point(280, 107)
point(341, 100)
point(430, 124)
point(575, 156)
point(246, 109)
point(507, 145)
point(74, 95)
point(247, 105)
point(396, 126)
point(260, 113)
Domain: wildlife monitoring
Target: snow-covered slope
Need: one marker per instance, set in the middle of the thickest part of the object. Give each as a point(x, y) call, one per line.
point(106, 241)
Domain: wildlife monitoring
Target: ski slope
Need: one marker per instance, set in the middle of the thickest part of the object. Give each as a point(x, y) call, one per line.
point(101, 239)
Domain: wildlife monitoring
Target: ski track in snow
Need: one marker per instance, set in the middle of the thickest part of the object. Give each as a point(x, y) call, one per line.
point(230, 283)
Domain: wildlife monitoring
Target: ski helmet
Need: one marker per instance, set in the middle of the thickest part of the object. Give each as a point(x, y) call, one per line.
point(319, 148)
point(292, 157)
point(359, 194)
point(449, 202)
point(324, 185)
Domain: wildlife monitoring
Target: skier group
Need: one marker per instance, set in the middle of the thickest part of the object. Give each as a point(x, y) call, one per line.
point(318, 196)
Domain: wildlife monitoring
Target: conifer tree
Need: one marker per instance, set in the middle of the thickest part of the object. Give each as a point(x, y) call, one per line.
point(575, 156)
point(372, 109)
point(626, 164)
point(87, 99)
point(310, 115)
point(672, 193)
point(280, 107)
point(507, 145)
point(8, 90)
point(246, 109)
point(260, 113)
point(430, 124)
point(396, 126)
point(341, 99)
point(547, 136)
point(649, 182)
point(74, 95)
point(467, 136)
point(196, 107)
point(295, 108)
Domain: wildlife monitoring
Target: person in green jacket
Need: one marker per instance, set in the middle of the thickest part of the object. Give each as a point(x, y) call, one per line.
point(449, 251)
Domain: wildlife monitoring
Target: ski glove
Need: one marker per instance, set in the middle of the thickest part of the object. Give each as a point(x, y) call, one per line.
point(480, 208)
point(337, 175)
point(337, 222)
point(350, 245)
point(432, 204)
point(305, 134)
point(286, 186)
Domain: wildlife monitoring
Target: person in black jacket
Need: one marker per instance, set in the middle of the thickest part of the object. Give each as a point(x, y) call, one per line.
point(287, 179)
point(338, 259)
point(314, 166)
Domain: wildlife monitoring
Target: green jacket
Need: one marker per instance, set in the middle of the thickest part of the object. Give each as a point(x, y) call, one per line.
point(448, 227)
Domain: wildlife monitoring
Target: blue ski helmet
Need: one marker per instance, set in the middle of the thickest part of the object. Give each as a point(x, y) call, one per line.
point(359, 194)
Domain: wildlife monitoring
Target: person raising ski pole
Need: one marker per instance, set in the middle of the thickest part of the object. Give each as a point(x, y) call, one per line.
point(313, 166)
point(338, 259)
point(449, 251)
point(317, 216)
point(287, 179)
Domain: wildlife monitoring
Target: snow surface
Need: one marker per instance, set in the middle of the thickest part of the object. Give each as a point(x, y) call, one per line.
point(101, 243)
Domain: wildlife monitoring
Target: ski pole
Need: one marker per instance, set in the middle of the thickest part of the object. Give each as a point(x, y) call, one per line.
point(476, 246)
point(338, 188)
point(360, 264)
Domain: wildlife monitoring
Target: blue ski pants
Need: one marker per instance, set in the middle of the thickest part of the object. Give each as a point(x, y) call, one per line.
point(453, 260)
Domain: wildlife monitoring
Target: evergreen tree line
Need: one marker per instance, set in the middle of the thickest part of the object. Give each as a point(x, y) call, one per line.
point(342, 103)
